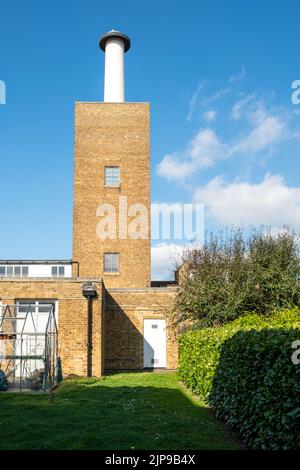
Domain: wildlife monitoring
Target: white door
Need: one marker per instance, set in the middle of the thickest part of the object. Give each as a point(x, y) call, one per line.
point(155, 343)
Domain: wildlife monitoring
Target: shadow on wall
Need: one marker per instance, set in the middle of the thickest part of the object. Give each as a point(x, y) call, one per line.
point(88, 414)
point(124, 344)
point(256, 387)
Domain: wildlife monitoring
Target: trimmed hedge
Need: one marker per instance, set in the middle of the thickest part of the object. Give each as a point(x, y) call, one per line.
point(244, 371)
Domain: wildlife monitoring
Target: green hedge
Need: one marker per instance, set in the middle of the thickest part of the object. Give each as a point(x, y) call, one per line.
point(244, 370)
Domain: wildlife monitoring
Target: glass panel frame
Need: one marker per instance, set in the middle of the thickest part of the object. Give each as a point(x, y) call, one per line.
point(112, 176)
point(112, 263)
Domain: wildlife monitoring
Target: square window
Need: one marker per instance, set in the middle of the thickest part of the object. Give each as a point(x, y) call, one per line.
point(25, 271)
point(17, 271)
point(10, 271)
point(24, 306)
point(2, 271)
point(112, 176)
point(111, 262)
point(61, 271)
point(54, 271)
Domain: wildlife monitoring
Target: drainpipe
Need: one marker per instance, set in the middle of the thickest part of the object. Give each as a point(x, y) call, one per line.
point(77, 263)
point(89, 292)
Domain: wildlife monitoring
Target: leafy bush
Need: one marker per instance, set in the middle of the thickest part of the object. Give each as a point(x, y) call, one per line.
point(256, 388)
point(244, 371)
point(236, 274)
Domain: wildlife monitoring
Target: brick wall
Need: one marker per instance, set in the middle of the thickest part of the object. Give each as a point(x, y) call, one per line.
point(72, 318)
point(125, 311)
point(111, 134)
point(117, 326)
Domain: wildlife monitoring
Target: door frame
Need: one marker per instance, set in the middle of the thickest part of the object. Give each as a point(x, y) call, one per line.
point(153, 318)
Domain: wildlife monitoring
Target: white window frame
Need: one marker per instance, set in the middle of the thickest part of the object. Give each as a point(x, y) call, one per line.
point(35, 304)
point(58, 267)
point(13, 267)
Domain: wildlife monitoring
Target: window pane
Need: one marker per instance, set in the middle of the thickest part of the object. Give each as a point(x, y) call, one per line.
point(2, 271)
point(112, 176)
point(10, 271)
point(111, 262)
point(61, 270)
point(54, 271)
point(17, 271)
point(24, 271)
point(24, 307)
point(45, 307)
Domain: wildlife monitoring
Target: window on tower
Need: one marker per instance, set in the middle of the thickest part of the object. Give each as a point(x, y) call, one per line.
point(111, 262)
point(112, 176)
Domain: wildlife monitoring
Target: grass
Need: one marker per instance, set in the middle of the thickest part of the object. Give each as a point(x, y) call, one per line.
point(121, 411)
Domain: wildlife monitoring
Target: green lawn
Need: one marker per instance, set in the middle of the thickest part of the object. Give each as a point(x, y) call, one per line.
point(121, 411)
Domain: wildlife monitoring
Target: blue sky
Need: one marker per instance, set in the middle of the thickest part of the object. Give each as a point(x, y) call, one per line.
point(218, 74)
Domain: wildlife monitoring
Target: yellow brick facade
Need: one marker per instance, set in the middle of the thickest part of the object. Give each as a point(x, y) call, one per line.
point(71, 317)
point(111, 134)
point(106, 134)
point(125, 311)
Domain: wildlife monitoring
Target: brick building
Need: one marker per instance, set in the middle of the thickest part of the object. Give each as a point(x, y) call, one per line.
point(122, 324)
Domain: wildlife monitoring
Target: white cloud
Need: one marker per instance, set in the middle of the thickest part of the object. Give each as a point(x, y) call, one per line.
point(174, 168)
point(216, 96)
point(210, 115)
point(239, 107)
point(268, 127)
point(265, 131)
point(193, 100)
point(270, 202)
point(164, 257)
point(269, 131)
point(296, 135)
point(239, 76)
point(205, 148)
point(201, 152)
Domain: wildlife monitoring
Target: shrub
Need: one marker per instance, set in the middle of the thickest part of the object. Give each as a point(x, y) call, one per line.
point(256, 388)
point(236, 274)
point(244, 371)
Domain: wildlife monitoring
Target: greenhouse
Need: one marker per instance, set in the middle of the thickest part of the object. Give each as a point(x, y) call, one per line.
point(28, 347)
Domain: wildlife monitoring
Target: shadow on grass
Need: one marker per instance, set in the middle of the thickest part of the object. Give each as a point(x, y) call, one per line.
point(103, 414)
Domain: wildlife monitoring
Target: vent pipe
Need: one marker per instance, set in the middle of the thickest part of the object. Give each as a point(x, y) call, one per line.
point(114, 44)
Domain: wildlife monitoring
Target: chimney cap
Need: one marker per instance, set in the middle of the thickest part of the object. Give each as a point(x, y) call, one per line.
point(114, 34)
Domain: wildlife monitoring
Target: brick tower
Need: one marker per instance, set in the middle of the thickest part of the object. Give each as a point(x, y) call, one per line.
point(112, 180)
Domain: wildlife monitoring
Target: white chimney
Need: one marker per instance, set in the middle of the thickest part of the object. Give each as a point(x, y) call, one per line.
point(114, 44)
